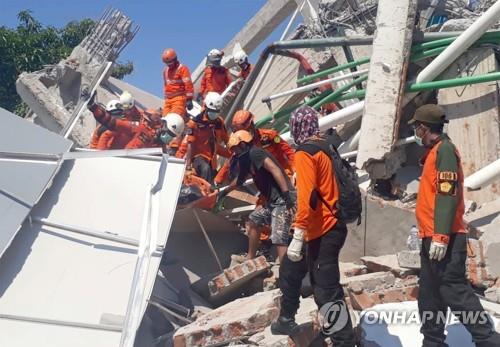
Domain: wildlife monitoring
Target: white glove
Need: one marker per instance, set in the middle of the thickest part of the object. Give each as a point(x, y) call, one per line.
point(294, 251)
point(437, 250)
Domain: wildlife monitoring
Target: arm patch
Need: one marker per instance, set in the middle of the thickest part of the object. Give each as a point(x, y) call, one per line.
point(447, 183)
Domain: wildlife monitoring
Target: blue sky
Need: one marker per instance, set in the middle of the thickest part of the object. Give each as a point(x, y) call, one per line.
point(192, 27)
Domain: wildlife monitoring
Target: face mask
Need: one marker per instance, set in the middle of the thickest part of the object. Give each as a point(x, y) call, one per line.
point(418, 139)
point(212, 115)
point(166, 138)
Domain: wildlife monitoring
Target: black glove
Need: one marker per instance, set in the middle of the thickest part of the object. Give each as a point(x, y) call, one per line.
point(189, 104)
point(199, 98)
point(288, 200)
point(85, 94)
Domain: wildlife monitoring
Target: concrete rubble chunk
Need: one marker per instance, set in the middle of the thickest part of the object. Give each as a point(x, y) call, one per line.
point(386, 263)
point(409, 259)
point(236, 276)
point(401, 290)
point(239, 318)
point(475, 265)
point(493, 293)
point(351, 269)
point(369, 282)
point(306, 317)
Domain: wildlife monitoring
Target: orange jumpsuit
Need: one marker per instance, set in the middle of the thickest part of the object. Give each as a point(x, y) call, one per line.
point(113, 140)
point(244, 73)
point(271, 141)
point(205, 138)
point(215, 79)
point(142, 134)
point(178, 89)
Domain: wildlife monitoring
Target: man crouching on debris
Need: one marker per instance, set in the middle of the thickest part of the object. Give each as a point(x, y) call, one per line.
point(316, 222)
point(275, 188)
point(439, 212)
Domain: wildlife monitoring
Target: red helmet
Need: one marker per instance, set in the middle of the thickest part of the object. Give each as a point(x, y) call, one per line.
point(242, 120)
point(169, 56)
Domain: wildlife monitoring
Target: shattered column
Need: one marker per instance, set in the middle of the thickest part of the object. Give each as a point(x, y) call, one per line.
point(385, 88)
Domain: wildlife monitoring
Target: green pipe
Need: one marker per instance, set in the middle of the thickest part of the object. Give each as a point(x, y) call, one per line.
point(334, 69)
point(455, 82)
point(340, 91)
point(442, 84)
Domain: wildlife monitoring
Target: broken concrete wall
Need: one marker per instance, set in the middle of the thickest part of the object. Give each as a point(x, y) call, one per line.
point(473, 112)
point(54, 92)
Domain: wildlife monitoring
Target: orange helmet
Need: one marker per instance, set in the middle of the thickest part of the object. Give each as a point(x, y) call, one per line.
point(238, 137)
point(242, 120)
point(168, 56)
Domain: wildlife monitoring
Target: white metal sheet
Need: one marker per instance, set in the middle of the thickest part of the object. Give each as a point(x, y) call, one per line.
point(22, 184)
point(49, 273)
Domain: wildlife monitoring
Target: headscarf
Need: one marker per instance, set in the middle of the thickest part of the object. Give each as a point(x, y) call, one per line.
point(303, 124)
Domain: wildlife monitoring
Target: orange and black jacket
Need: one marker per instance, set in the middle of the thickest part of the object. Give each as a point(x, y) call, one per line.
point(205, 138)
point(271, 141)
point(440, 200)
point(317, 192)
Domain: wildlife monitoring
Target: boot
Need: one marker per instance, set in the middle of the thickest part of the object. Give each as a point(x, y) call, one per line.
point(284, 326)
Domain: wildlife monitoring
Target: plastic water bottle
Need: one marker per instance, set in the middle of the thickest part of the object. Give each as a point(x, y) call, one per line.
point(413, 241)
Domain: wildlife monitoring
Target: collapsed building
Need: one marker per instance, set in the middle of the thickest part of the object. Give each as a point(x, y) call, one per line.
point(158, 279)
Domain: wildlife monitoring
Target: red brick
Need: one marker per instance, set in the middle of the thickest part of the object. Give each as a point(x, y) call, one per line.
point(361, 301)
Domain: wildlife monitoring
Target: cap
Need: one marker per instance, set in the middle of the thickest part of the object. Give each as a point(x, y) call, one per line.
point(430, 113)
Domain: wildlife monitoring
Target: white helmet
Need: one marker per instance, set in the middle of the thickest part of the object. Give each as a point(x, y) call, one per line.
point(174, 123)
point(127, 100)
point(240, 57)
point(113, 105)
point(214, 57)
point(215, 54)
point(213, 101)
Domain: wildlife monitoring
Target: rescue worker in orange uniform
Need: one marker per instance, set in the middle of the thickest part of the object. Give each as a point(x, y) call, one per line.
point(110, 139)
point(152, 131)
point(267, 139)
point(205, 136)
point(178, 87)
point(317, 225)
point(439, 212)
point(241, 59)
point(216, 78)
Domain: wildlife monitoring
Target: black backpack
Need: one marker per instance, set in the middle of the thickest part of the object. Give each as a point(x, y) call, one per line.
point(349, 206)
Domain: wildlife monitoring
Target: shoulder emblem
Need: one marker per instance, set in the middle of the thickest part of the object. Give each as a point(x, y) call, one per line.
point(447, 182)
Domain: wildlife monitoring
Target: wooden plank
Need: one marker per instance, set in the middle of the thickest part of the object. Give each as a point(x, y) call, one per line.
point(386, 79)
point(474, 117)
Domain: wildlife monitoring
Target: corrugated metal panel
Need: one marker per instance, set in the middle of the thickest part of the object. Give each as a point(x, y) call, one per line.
point(53, 274)
point(22, 183)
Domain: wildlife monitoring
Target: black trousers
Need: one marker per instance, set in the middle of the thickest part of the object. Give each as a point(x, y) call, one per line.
point(203, 169)
point(322, 262)
point(443, 284)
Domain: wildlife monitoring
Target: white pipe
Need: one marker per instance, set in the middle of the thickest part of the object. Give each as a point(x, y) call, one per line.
point(460, 45)
point(353, 145)
point(312, 86)
point(265, 70)
point(339, 117)
point(484, 176)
